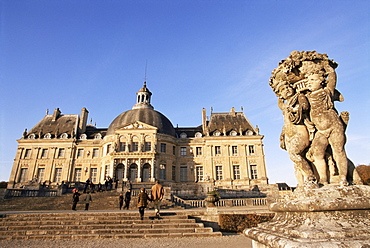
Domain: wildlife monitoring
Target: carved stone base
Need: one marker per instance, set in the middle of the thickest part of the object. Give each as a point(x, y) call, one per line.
point(331, 216)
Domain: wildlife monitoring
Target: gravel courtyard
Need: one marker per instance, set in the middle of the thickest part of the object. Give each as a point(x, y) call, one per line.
point(232, 240)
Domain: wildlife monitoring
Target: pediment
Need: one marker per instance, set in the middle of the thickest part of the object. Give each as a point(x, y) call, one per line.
point(137, 125)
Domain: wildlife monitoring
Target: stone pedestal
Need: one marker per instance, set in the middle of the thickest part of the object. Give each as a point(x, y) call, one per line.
point(331, 216)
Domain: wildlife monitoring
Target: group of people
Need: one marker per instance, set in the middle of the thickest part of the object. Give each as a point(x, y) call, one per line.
point(100, 187)
point(156, 196)
point(157, 193)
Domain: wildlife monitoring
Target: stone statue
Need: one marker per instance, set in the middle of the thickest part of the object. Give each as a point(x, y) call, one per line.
point(313, 132)
point(335, 215)
point(294, 136)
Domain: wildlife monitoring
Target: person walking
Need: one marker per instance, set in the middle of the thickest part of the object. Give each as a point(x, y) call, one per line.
point(86, 185)
point(142, 202)
point(156, 197)
point(127, 199)
point(88, 199)
point(120, 200)
point(75, 198)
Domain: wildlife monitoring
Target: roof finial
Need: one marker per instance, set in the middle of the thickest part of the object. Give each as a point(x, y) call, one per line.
point(146, 65)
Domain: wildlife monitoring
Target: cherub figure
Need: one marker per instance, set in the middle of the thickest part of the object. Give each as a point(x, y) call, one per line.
point(294, 136)
point(329, 126)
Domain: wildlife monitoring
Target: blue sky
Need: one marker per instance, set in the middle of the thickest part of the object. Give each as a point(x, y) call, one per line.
point(200, 54)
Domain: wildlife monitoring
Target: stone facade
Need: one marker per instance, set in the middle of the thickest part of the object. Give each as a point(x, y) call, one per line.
point(141, 145)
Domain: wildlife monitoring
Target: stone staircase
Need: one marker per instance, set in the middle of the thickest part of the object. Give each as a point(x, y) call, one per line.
point(107, 200)
point(99, 224)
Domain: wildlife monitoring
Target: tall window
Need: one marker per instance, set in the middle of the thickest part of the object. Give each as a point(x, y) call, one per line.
point(41, 174)
point(122, 146)
point(23, 175)
point(108, 148)
point(78, 172)
point(254, 172)
point(58, 175)
point(162, 172)
point(199, 173)
point(219, 172)
point(174, 173)
point(251, 149)
point(27, 153)
point(234, 150)
point(183, 151)
point(217, 150)
point(198, 151)
point(174, 150)
point(106, 170)
point(44, 153)
point(163, 147)
point(236, 172)
point(80, 153)
point(95, 152)
point(94, 175)
point(183, 174)
point(147, 146)
point(61, 153)
point(135, 146)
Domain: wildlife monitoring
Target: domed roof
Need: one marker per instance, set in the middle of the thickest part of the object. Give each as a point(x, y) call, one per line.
point(145, 115)
point(143, 111)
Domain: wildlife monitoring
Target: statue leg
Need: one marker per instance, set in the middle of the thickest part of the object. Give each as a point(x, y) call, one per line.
point(303, 170)
point(317, 150)
point(337, 141)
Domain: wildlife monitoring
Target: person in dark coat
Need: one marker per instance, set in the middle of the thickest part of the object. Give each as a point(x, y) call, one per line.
point(142, 202)
point(88, 199)
point(86, 185)
point(120, 199)
point(127, 199)
point(75, 198)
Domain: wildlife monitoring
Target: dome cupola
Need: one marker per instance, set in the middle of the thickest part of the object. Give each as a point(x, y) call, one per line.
point(143, 98)
point(144, 112)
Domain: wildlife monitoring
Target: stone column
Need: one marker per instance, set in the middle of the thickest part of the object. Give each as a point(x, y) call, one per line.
point(138, 179)
point(152, 170)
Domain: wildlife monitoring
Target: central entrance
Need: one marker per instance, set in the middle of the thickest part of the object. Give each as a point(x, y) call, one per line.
point(133, 172)
point(146, 172)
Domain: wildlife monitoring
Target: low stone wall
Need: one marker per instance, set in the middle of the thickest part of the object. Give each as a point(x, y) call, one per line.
point(238, 222)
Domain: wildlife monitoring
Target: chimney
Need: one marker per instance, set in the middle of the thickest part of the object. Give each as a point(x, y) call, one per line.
point(204, 120)
point(56, 114)
point(83, 120)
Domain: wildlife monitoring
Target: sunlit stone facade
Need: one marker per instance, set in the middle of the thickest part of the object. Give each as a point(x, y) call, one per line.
point(141, 145)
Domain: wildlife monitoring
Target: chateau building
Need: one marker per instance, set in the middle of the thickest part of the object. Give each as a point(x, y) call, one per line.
point(141, 145)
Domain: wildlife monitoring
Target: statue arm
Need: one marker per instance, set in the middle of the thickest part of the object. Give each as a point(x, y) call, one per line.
point(281, 103)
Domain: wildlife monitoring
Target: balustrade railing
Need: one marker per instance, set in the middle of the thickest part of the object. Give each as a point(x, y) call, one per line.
point(31, 193)
point(221, 203)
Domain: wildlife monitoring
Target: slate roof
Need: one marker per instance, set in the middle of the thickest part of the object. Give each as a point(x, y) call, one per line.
point(189, 131)
point(227, 122)
point(62, 124)
point(145, 115)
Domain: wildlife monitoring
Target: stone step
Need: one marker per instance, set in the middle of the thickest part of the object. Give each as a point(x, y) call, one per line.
point(115, 236)
point(62, 231)
point(91, 222)
point(99, 225)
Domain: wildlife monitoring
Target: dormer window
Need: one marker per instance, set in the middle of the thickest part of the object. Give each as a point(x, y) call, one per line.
point(183, 135)
point(47, 136)
point(64, 136)
point(217, 133)
point(233, 133)
point(198, 135)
